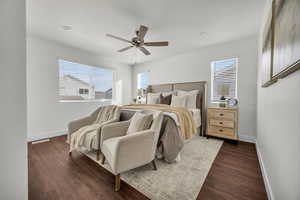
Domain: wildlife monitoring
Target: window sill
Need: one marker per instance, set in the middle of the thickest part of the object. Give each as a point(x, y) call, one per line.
point(86, 101)
point(219, 101)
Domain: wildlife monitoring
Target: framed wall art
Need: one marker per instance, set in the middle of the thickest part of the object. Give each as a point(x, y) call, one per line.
point(281, 41)
point(286, 37)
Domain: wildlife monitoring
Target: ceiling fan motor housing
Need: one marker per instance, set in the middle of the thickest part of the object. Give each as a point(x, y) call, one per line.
point(137, 41)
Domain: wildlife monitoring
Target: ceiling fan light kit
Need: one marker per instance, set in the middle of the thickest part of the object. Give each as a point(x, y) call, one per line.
point(138, 41)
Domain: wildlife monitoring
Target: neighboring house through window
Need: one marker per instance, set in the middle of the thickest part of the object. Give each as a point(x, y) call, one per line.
point(82, 82)
point(224, 79)
point(83, 91)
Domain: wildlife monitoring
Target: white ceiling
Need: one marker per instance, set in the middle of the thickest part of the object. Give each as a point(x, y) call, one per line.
point(186, 24)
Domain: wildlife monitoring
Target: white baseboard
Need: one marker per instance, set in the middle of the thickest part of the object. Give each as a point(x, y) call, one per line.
point(46, 135)
point(246, 138)
point(264, 174)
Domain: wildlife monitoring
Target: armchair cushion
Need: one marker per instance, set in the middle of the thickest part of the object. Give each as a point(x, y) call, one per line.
point(139, 122)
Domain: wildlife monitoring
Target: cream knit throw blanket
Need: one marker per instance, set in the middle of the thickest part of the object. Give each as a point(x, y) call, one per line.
point(85, 135)
point(187, 124)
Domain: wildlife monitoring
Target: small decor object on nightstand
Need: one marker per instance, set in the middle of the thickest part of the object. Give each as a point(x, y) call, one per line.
point(223, 90)
point(232, 102)
point(223, 122)
point(134, 100)
point(141, 98)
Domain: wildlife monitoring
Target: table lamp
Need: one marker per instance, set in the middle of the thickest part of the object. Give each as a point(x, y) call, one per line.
point(223, 90)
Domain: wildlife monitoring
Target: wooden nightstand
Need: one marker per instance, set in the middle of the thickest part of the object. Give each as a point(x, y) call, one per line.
point(223, 122)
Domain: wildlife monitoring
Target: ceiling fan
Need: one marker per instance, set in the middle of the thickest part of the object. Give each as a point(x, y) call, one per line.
point(138, 41)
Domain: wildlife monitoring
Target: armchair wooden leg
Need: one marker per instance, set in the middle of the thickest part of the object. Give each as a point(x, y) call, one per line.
point(117, 182)
point(154, 165)
point(70, 153)
point(98, 155)
point(103, 160)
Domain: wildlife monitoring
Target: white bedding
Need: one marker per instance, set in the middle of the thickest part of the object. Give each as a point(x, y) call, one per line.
point(196, 116)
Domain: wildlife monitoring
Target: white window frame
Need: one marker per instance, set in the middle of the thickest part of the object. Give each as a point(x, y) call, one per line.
point(137, 78)
point(108, 101)
point(143, 99)
point(212, 64)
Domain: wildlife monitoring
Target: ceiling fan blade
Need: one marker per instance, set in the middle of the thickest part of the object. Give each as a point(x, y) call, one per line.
point(118, 38)
point(124, 49)
point(145, 51)
point(142, 32)
point(156, 44)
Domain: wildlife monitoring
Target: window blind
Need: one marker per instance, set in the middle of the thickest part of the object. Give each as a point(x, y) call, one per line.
point(224, 72)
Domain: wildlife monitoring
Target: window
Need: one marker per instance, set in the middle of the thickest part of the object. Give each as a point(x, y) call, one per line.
point(142, 83)
point(83, 91)
point(78, 82)
point(224, 79)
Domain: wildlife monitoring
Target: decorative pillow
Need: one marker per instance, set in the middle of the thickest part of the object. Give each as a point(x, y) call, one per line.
point(153, 98)
point(191, 101)
point(168, 93)
point(165, 99)
point(179, 101)
point(139, 122)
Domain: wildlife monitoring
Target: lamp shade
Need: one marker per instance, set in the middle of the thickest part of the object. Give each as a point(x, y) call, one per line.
point(141, 92)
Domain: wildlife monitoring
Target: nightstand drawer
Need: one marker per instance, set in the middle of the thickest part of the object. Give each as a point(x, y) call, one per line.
point(221, 114)
point(221, 131)
point(222, 123)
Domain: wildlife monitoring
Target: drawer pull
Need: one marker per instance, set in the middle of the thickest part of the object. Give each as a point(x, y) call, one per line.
point(220, 122)
point(221, 130)
point(221, 114)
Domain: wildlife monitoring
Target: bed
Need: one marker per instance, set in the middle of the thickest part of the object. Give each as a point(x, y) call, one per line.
point(171, 138)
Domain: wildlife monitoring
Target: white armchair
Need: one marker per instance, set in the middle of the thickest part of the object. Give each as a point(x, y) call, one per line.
point(125, 152)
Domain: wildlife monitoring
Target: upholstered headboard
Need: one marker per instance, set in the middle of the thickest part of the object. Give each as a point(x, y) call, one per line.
point(188, 86)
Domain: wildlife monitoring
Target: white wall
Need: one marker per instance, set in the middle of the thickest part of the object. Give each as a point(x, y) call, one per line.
point(13, 146)
point(195, 66)
point(278, 133)
point(46, 115)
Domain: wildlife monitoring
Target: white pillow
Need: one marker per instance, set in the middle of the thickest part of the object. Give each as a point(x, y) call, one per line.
point(191, 101)
point(153, 98)
point(168, 93)
point(178, 101)
point(139, 122)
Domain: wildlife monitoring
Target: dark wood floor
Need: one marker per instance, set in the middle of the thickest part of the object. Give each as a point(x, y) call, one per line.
point(235, 174)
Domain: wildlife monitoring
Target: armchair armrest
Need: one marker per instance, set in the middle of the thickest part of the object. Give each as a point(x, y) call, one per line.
point(99, 135)
point(77, 124)
point(134, 150)
point(116, 129)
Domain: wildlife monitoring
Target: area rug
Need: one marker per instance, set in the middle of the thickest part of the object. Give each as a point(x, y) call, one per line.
point(181, 180)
